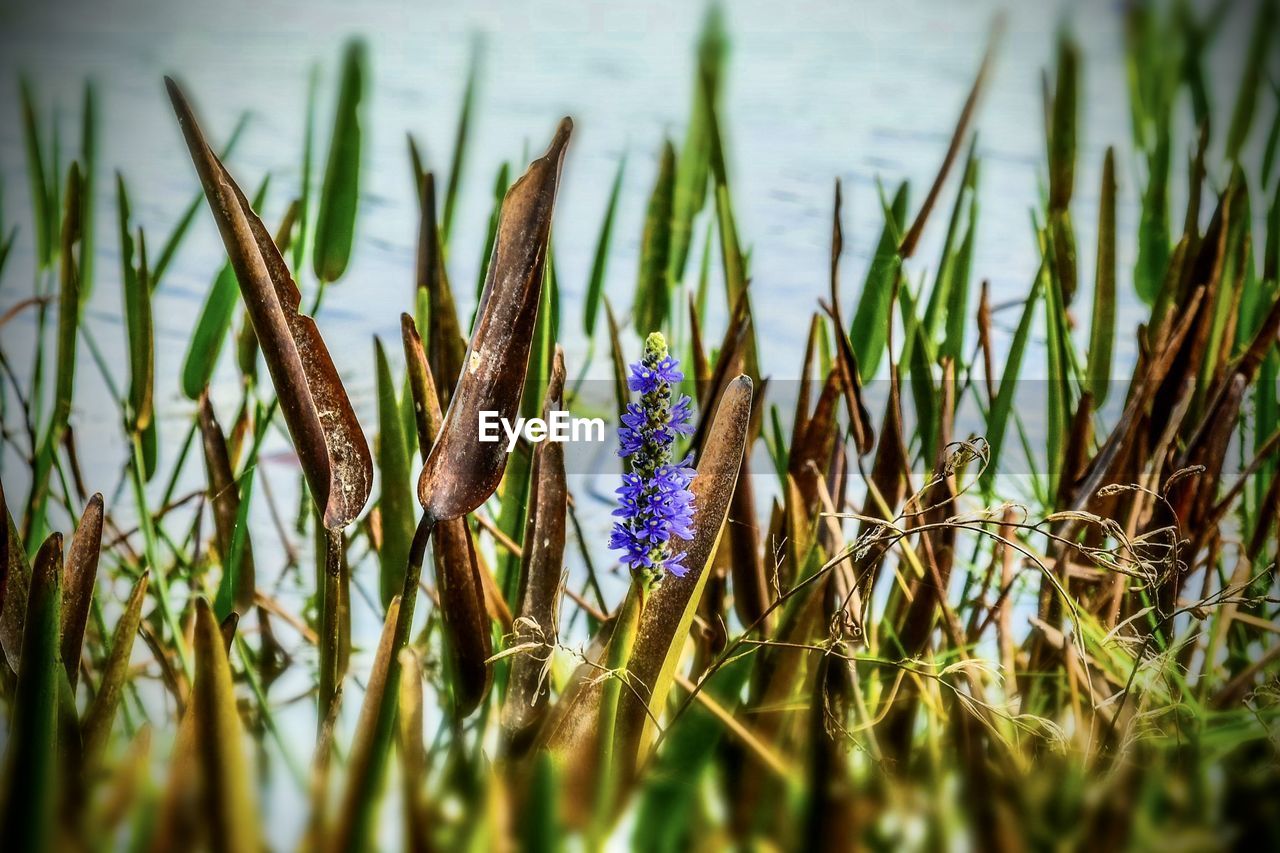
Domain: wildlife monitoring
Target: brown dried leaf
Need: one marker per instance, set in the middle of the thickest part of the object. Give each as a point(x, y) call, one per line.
point(79, 576)
point(541, 566)
point(327, 437)
point(224, 496)
point(462, 472)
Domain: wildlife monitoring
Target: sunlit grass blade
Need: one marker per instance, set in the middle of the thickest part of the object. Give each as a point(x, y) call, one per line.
point(573, 731)
point(229, 798)
point(367, 762)
point(412, 751)
point(669, 613)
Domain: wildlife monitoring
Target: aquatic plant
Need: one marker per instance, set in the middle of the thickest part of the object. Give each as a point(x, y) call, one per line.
point(975, 607)
point(655, 506)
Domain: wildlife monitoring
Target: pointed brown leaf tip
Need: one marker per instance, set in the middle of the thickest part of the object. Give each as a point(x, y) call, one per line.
point(461, 472)
point(326, 435)
point(79, 577)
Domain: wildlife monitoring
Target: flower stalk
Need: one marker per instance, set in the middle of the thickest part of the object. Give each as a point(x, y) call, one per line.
point(655, 508)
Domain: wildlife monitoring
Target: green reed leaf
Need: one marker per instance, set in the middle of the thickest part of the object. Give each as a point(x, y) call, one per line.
point(1253, 70)
point(1102, 329)
point(88, 170)
point(395, 501)
point(44, 197)
point(600, 261)
point(367, 762)
point(869, 331)
point(693, 169)
point(340, 190)
point(461, 137)
point(31, 782)
point(653, 286)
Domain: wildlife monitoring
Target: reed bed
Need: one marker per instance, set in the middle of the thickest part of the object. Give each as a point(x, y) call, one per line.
point(1021, 597)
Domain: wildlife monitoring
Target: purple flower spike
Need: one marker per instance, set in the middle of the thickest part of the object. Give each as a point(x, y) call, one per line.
point(654, 501)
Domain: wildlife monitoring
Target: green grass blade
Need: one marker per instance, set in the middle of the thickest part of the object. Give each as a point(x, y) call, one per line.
point(137, 315)
point(998, 416)
point(1255, 66)
point(500, 183)
point(211, 331)
point(64, 375)
point(43, 197)
point(214, 323)
point(1102, 329)
point(229, 792)
point(693, 170)
point(301, 242)
point(461, 138)
point(31, 780)
point(600, 262)
point(372, 744)
point(939, 298)
point(88, 169)
point(395, 502)
point(871, 319)
point(340, 191)
point(957, 314)
point(1062, 127)
point(238, 569)
point(653, 285)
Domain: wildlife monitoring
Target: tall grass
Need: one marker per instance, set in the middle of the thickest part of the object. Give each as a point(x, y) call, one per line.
point(885, 639)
